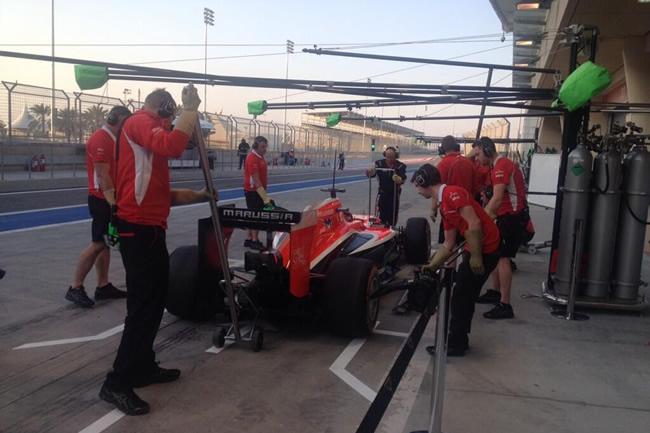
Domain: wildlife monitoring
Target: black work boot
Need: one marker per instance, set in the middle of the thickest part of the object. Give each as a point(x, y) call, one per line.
point(501, 311)
point(79, 297)
point(452, 351)
point(109, 291)
point(159, 375)
point(489, 297)
point(126, 401)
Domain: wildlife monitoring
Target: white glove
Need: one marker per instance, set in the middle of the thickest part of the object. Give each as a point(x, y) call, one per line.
point(371, 171)
point(190, 98)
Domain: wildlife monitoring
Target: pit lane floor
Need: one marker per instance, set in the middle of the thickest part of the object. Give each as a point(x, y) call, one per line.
point(531, 374)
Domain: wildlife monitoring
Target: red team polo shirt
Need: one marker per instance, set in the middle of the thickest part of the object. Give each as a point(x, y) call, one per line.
point(457, 170)
point(99, 149)
point(254, 164)
point(482, 173)
point(451, 199)
point(506, 172)
point(143, 190)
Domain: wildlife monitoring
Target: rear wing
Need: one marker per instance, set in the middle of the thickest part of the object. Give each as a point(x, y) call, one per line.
point(259, 219)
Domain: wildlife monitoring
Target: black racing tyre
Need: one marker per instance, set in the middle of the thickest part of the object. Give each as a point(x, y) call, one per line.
point(417, 241)
point(188, 298)
point(349, 311)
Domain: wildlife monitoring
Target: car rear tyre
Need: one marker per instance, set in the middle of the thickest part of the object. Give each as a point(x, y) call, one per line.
point(349, 283)
point(417, 241)
point(188, 297)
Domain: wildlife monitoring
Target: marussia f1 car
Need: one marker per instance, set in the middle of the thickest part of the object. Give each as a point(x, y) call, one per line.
point(324, 260)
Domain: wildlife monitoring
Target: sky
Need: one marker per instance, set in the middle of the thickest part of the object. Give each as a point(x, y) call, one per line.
point(248, 39)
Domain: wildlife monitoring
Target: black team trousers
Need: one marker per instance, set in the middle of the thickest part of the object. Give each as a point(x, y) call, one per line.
point(468, 287)
point(146, 261)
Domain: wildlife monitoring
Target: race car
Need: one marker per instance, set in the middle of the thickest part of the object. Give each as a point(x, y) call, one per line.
point(324, 260)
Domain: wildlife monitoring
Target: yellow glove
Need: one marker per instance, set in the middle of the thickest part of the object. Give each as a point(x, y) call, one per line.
point(109, 195)
point(371, 171)
point(433, 212)
point(398, 180)
point(490, 213)
point(439, 258)
point(260, 191)
point(204, 195)
point(475, 243)
point(190, 98)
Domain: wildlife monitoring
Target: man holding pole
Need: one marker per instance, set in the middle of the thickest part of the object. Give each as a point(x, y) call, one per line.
point(391, 173)
point(143, 198)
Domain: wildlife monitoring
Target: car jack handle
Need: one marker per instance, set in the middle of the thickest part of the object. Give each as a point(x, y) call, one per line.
point(214, 211)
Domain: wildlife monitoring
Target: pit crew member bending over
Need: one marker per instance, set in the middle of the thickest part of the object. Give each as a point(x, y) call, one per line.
point(460, 213)
point(390, 185)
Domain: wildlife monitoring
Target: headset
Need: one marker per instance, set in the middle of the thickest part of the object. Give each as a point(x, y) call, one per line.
point(488, 147)
point(259, 140)
point(425, 178)
point(115, 114)
point(393, 149)
point(420, 178)
point(167, 106)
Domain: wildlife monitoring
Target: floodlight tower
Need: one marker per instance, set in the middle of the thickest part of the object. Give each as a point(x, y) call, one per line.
point(208, 19)
point(289, 51)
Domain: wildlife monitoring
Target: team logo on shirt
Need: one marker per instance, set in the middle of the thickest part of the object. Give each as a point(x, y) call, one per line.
point(454, 196)
point(499, 174)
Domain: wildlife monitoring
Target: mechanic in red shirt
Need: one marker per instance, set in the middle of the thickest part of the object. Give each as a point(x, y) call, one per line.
point(255, 182)
point(455, 170)
point(144, 198)
point(482, 171)
point(510, 208)
point(101, 196)
point(461, 214)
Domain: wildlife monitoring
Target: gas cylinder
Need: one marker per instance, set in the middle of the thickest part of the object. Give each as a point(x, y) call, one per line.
point(631, 225)
point(574, 206)
point(602, 223)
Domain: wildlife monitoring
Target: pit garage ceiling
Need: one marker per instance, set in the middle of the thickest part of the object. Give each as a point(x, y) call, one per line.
point(616, 20)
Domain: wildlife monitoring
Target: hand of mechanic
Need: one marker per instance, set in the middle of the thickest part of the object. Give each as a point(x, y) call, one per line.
point(439, 258)
point(371, 171)
point(262, 193)
point(397, 179)
point(475, 243)
point(109, 195)
point(204, 195)
point(490, 213)
point(190, 98)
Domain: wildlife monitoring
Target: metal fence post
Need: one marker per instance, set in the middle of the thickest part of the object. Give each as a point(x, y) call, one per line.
point(10, 117)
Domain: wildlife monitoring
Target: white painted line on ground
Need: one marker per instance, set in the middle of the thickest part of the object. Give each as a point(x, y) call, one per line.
point(101, 336)
point(104, 422)
point(215, 349)
point(407, 392)
point(391, 333)
point(338, 368)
